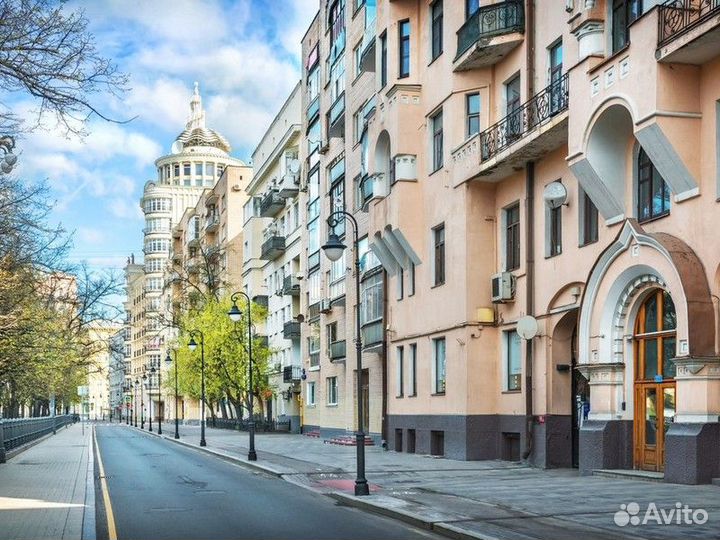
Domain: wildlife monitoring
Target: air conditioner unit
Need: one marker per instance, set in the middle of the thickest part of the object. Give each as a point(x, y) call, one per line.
point(325, 305)
point(503, 287)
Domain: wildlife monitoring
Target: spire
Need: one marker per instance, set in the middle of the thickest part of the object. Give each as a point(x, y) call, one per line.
point(197, 114)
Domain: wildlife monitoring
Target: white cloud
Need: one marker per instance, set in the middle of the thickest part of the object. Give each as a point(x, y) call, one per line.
point(125, 209)
point(90, 236)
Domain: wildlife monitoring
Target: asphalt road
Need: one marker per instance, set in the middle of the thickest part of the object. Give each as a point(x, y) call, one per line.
point(160, 490)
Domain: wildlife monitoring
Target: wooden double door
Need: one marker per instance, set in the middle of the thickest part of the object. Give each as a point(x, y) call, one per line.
point(655, 393)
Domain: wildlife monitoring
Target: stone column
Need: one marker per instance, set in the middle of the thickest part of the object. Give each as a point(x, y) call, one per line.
point(691, 443)
point(606, 440)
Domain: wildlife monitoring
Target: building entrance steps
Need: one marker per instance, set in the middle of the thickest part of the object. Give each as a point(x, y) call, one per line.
point(469, 499)
point(647, 476)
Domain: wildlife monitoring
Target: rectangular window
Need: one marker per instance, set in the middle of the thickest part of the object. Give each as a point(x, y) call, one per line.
point(310, 394)
point(472, 111)
point(589, 221)
point(439, 366)
point(413, 369)
point(471, 6)
point(383, 60)
point(399, 375)
point(186, 169)
point(411, 279)
point(437, 140)
point(512, 237)
point(512, 104)
point(357, 55)
point(436, 15)
point(198, 169)
point(176, 170)
point(400, 284)
point(404, 52)
point(554, 216)
point(624, 13)
point(332, 391)
point(439, 251)
point(209, 169)
point(557, 96)
point(512, 360)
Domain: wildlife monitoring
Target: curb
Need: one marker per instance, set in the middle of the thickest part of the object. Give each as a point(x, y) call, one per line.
point(89, 531)
point(222, 455)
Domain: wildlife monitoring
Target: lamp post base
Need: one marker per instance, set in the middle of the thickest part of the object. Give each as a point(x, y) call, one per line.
point(202, 442)
point(252, 455)
point(361, 488)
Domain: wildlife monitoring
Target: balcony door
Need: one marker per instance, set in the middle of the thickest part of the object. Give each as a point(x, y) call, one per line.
point(655, 395)
point(555, 82)
point(512, 108)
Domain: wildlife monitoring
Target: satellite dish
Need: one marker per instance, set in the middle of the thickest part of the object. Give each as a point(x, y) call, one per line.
point(555, 195)
point(294, 166)
point(527, 327)
point(177, 147)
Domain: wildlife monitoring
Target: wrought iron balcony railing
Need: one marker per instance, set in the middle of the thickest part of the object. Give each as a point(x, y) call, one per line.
point(292, 373)
point(492, 20)
point(675, 17)
point(550, 101)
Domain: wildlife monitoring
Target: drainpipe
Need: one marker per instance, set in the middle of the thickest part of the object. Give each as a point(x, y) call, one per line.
point(383, 361)
point(529, 235)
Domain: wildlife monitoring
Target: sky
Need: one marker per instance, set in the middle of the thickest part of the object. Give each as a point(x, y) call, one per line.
point(245, 54)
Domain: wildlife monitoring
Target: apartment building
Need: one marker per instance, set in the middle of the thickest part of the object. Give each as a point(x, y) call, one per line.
point(99, 369)
point(272, 252)
point(537, 185)
point(337, 86)
point(119, 370)
point(197, 160)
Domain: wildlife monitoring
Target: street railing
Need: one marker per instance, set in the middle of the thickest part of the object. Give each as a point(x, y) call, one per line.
point(15, 432)
point(242, 425)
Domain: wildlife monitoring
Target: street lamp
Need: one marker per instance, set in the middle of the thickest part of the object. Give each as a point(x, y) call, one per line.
point(142, 401)
point(235, 316)
point(153, 370)
point(334, 249)
point(168, 360)
point(135, 408)
point(192, 345)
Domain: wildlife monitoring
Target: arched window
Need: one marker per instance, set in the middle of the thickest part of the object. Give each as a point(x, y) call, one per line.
point(653, 195)
point(655, 336)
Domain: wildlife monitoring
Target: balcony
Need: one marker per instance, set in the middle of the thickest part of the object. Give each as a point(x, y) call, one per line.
point(291, 330)
point(212, 223)
point(271, 204)
point(289, 185)
point(337, 291)
point(336, 117)
point(688, 31)
point(313, 109)
point(372, 336)
point(272, 248)
point(367, 53)
point(489, 35)
point(372, 187)
point(535, 128)
point(292, 374)
point(337, 350)
point(291, 286)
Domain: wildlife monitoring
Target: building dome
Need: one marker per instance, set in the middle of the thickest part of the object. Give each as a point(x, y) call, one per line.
point(196, 133)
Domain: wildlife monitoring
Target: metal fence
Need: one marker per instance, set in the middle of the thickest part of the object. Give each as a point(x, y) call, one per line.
point(676, 17)
point(15, 432)
point(491, 20)
point(260, 425)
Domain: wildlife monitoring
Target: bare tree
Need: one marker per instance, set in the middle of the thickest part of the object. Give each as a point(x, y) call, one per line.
point(46, 52)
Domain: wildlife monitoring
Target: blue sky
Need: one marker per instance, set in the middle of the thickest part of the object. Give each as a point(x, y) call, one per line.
point(245, 55)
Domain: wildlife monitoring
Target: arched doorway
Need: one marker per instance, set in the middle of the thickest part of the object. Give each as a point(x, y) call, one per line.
point(654, 385)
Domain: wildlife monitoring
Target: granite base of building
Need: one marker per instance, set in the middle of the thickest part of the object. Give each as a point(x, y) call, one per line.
point(466, 438)
point(606, 444)
point(692, 454)
point(552, 442)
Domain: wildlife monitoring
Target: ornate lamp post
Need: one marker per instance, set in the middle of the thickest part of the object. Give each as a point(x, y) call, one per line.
point(334, 249)
point(192, 345)
point(142, 401)
point(168, 361)
point(135, 408)
point(236, 315)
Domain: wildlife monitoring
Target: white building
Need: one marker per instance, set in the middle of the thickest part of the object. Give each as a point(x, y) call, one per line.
point(271, 254)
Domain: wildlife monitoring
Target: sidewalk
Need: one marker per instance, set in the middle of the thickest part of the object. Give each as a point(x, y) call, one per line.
point(480, 499)
point(43, 489)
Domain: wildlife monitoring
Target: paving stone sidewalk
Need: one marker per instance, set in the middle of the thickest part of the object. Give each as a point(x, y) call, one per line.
point(478, 499)
point(43, 490)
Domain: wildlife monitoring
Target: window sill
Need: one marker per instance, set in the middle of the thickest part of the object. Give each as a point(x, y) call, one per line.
point(437, 285)
point(518, 391)
point(438, 394)
point(412, 395)
point(310, 405)
point(332, 405)
point(553, 255)
point(314, 368)
point(400, 396)
point(433, 60)
point(440, 168)
point(654, 218)
point(588, 243)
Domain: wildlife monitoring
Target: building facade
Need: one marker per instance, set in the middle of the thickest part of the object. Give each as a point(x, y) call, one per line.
point(537, 186)
point(272, 251)
point(196, 162)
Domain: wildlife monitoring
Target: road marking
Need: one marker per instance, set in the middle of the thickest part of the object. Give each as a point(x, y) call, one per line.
point(112, 533)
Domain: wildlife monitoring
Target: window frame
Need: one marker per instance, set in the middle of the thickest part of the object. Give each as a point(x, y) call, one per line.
point(399, 371)
point(470, 116)
point(413, 369)
point(652, 178)
point(436, 29)
point(510, 382)
point(439, 389)
point(437, 141)
point(511, 237)
point(333, 394)
point(439, 253)
point(383, 60)
point(554, 216)
point(589, 221)
point(404, 42)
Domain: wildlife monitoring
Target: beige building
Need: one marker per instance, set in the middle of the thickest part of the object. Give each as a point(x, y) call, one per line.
point(537, 183)
point(196, 163)
point(272, 252)
point(99, 370)
point(335, 89)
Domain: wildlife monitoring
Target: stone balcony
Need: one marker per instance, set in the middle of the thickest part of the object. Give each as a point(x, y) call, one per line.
point(688, 31)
